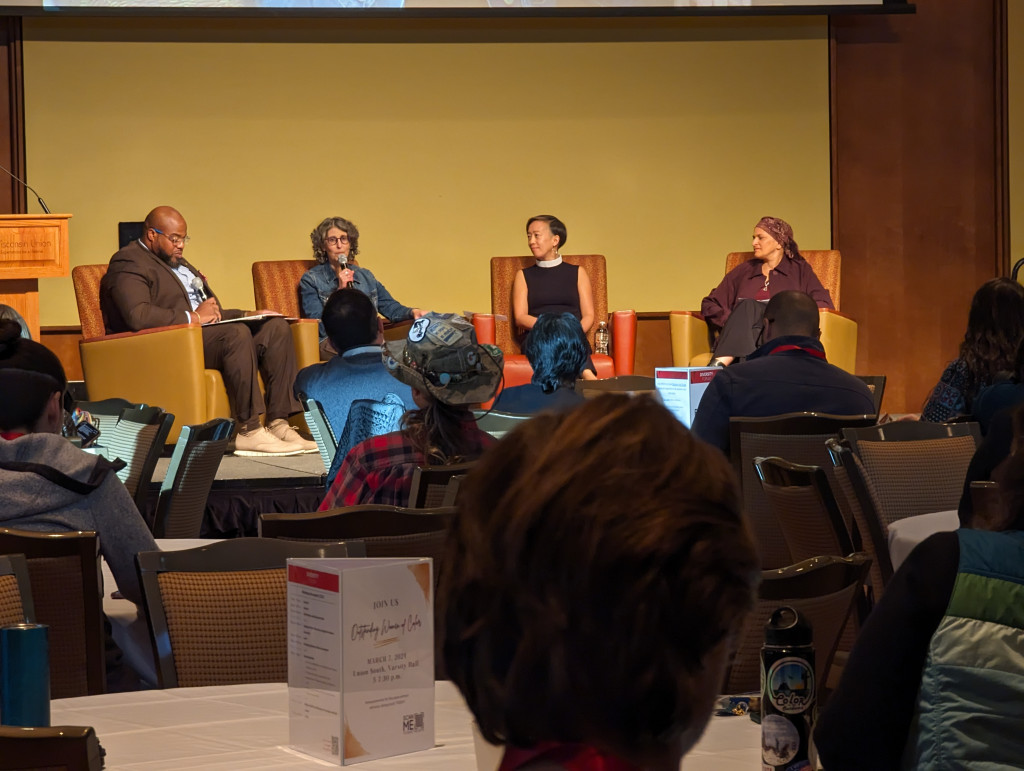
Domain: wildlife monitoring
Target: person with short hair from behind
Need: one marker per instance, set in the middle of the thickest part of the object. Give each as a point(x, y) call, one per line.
point(449, 372)
point(356, 333)
point(787, 373)
point(46, 483)
point(596, 577)
point(935, 680)
point(558, 351)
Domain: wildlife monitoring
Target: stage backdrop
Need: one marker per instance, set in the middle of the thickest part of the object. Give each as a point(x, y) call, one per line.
point(660, 144)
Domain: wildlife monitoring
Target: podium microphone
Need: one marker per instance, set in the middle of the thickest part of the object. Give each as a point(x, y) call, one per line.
point(26, 185)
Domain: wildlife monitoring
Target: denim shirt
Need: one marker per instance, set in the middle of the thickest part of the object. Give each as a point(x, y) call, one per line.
point(320, 282)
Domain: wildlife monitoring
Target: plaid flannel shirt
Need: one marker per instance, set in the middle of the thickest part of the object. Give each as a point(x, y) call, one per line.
point(380, 469)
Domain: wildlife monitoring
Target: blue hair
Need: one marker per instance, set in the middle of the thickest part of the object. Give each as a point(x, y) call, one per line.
point(558, 350)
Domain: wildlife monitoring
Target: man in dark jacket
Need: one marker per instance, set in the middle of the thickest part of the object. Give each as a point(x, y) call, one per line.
point(787, 373)
point(150, 284)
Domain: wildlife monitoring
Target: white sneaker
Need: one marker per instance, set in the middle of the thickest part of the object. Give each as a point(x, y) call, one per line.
point(284, 431)
point(262, 443)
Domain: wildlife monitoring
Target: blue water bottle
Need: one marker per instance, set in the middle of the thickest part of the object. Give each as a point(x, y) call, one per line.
point(25, 675)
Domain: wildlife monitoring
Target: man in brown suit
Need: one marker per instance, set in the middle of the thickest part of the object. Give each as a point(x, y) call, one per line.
point(150, 284)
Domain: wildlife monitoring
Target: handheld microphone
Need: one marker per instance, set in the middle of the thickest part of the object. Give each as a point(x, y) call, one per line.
point(26, 185)
point(197, 284)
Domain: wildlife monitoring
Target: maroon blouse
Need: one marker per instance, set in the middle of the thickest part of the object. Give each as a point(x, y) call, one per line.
point(746, 282)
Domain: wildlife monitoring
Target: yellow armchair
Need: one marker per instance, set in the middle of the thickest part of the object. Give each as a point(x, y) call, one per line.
point(692, 339)
point(162, 366)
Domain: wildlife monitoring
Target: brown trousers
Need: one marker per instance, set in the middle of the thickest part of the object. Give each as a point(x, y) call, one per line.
point(242, 349)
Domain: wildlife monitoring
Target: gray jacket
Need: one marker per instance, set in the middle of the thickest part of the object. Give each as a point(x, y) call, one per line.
point(49, 485)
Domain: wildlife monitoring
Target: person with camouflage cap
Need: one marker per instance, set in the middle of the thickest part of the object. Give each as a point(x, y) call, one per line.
point(448, 371)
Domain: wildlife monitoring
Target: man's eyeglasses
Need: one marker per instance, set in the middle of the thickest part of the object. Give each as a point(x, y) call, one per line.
point(335, 240)
point(176, 240)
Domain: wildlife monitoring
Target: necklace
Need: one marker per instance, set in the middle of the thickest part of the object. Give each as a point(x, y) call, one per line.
point(767, 278)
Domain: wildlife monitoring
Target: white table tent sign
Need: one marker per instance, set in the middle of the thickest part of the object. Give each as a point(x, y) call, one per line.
point(360, 657)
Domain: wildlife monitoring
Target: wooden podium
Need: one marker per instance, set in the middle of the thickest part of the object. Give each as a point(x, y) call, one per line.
point(32, 246)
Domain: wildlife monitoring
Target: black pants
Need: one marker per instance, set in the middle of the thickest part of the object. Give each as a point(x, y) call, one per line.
point(739, 337)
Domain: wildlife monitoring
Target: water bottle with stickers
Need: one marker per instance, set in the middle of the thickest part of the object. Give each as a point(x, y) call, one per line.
point(788, 691)
point(601, 338)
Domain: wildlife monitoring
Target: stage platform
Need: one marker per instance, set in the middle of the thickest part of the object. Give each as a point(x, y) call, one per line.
point(246, 487)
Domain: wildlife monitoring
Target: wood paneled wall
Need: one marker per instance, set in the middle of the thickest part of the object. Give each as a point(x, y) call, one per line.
point(12, 116)
point(919, 193)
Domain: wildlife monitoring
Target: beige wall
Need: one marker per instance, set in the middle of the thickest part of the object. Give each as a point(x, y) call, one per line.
point(659, 145)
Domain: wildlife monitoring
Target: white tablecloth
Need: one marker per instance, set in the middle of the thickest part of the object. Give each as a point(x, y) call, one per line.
point(905, 534)
point(235, 727)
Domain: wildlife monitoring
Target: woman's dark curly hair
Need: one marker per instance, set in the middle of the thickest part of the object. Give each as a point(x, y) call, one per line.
point(995, 328)
point(596, 559)
point(319, 237)
point(558, 350)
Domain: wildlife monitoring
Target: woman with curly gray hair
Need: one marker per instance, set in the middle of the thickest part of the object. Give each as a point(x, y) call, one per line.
point(335, 244)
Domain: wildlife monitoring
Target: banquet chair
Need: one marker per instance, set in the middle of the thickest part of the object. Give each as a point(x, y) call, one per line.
point(633, 385)
point(869, 536)
point(106, 412)
point(366, 418)
point(908, 468)
point(163, 365)
point(190, 474)
point(496, 423)
point(275, 285)
point(138, 439)
point(369, 523)
point(50, 748)
point(805, 507)
point(498, 326)
point(16, 606)
point(430, 484)
point(824, 590)
point(910, 431)
point(386, 531)
point(693, 338)
point(64, 575)
point(799, 437)
point(876, 385)
point(320, 428)
point(217, 614)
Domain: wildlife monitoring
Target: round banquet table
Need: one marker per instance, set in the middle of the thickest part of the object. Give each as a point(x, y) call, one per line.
point(246, 727)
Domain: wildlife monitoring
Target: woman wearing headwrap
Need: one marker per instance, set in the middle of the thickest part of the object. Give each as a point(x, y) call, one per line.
point(736, 305)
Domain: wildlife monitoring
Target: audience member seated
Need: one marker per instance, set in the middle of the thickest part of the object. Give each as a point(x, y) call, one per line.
point(936, 678)
point(994, 409)
point(590, 607)
point(788, 373)
point(356, 333)
point(449, 372)
point(7, 312)
point(558, 351)
point(736, 305)
point(149, 283)
point(995, 327)
point(335, 246)
point(47, 483)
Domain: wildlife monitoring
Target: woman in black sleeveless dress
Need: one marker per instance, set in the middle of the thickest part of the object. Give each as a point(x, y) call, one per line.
point(550, 286)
